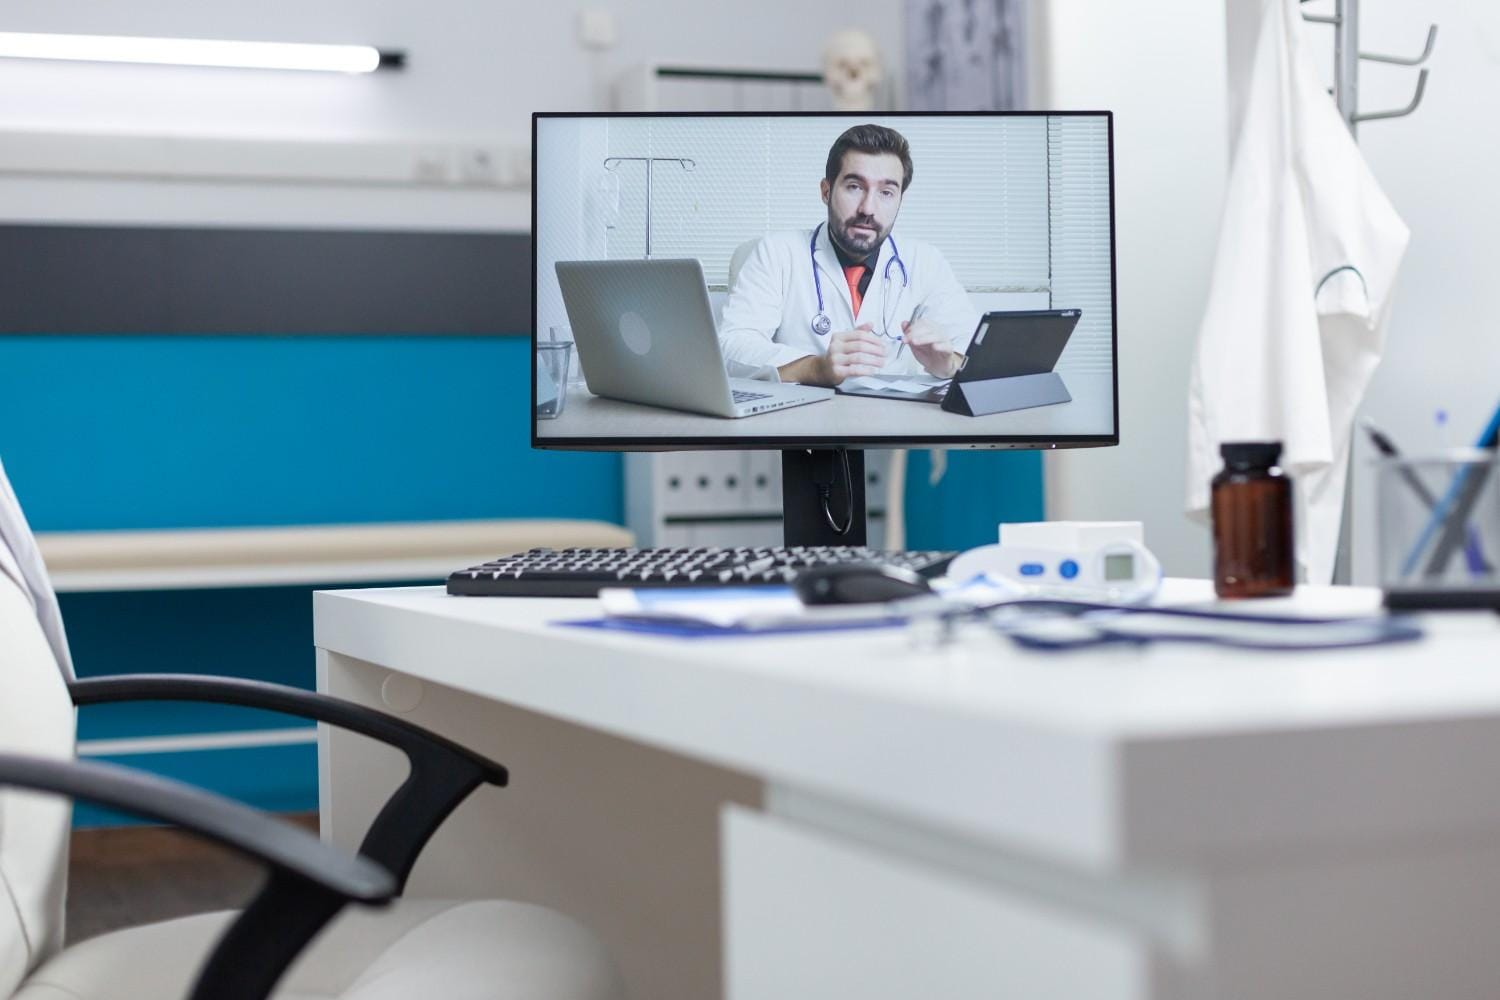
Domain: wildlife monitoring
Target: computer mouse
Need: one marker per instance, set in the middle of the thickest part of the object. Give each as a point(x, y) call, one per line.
point(858, 583)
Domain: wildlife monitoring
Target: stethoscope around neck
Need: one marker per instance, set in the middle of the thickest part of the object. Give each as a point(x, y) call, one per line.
point(822, 325)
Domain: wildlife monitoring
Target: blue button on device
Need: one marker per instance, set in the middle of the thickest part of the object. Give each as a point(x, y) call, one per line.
point(1032, 569)
point(1068, 568)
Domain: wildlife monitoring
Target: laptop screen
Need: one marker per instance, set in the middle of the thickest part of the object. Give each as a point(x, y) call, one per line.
point(841, 271)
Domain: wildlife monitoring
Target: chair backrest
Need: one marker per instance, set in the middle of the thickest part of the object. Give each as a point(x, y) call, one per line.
point(21, 558)
point(737, 260)
point(36, 717)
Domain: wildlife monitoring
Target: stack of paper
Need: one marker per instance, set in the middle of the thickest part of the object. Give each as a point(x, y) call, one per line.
point(916, 385)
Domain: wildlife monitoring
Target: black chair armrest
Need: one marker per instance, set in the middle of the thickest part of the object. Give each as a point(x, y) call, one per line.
point(442, 774)
point(308, 884)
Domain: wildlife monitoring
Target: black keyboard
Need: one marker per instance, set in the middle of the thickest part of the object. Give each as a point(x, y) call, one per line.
point(582, 572)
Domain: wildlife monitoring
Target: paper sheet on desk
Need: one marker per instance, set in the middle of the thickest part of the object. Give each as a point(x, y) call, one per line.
point(913, 386)
point(766, 609)
point(740, 608)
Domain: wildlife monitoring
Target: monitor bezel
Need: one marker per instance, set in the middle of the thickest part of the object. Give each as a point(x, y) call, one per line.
point(776, 443)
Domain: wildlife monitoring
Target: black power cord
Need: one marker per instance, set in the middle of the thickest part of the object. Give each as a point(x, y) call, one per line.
point(825, 490)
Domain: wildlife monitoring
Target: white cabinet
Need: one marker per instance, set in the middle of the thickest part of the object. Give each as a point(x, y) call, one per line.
point(730, 498)
point(809, 914)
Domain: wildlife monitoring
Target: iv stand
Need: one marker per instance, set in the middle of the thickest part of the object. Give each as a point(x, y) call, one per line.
point(610, 163)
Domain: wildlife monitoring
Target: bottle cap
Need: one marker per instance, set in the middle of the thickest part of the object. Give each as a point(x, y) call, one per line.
point(1250, 454)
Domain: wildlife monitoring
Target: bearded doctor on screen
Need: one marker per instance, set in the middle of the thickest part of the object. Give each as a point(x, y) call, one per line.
point(848, 297)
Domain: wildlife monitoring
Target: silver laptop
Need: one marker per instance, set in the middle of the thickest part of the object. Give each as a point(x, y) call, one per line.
point(645, 334)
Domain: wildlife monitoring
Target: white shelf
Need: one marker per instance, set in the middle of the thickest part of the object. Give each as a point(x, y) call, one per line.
point(436, 163)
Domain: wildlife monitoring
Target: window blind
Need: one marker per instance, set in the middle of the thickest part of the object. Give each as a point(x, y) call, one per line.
point(1078, 171)
point(979, 189)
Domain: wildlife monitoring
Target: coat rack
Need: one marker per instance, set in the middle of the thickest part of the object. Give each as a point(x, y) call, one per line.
point(1346, 57)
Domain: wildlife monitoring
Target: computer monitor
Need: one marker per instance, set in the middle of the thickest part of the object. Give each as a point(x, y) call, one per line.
point(821, 283)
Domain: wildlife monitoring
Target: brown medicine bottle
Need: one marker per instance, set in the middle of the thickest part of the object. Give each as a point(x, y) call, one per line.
point(1252, 522)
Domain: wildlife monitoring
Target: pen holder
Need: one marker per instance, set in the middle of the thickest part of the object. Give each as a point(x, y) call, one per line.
point(1440, 530)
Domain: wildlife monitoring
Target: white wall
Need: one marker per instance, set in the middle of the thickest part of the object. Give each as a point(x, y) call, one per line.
point(1438, 167)
point(476, 70)
point(1160, 67)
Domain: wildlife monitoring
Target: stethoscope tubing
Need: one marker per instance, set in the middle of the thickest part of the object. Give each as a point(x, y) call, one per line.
point(1378, 631)
point(822, 325)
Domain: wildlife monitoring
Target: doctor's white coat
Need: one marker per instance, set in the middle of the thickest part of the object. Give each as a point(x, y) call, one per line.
point(768, 316)
point(1302, 282)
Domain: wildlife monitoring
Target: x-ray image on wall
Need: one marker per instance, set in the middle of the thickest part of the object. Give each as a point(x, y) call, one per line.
point(965, 55)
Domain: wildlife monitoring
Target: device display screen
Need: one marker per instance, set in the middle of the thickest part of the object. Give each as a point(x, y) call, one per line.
point(777, 279)
point(1119, 567)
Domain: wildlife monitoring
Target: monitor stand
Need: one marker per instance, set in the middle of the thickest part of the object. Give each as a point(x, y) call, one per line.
point(805, 474)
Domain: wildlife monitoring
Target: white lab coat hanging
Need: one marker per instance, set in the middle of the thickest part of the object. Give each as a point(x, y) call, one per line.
point(1302, 284)
point(770, 316)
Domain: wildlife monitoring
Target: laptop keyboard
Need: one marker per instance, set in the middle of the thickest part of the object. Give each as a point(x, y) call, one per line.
point(744, 396)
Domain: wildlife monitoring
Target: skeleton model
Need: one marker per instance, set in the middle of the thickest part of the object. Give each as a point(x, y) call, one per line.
point(852, 69)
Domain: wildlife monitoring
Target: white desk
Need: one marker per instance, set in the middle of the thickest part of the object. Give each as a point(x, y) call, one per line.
point(1091, 412)
point(973, 821)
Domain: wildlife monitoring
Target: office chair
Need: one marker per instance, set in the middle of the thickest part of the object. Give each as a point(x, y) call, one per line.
point(415, 950)
point(737, 260)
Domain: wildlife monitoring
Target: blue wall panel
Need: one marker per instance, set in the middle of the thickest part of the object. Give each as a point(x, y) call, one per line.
point(279, 779)
point(978, 490)
point(263, 633)
point(175, 432)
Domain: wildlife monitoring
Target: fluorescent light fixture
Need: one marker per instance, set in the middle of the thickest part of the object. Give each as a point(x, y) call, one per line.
point(198, 52)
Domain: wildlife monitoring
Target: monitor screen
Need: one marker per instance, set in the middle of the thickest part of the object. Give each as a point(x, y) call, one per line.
point(785, 280)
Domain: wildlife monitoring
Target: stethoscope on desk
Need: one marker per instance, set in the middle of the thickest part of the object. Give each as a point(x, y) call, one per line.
point(1050, 625)
point(822, 324)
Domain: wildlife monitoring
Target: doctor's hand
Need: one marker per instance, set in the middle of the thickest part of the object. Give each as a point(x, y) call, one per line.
point(859, 351)
point(930, 347)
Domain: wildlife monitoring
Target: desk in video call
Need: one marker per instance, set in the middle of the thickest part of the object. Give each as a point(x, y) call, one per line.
point(1089, 413)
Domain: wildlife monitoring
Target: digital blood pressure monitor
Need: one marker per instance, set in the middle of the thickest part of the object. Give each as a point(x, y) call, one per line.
point(1114, 573)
